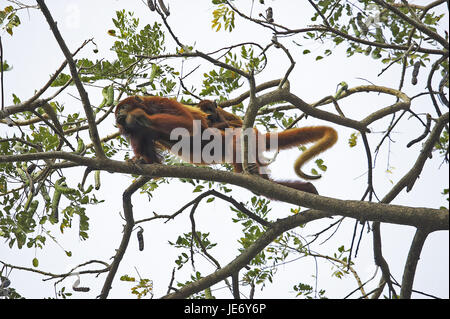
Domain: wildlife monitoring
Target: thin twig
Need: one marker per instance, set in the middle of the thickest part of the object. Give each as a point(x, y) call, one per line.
point(424, 134)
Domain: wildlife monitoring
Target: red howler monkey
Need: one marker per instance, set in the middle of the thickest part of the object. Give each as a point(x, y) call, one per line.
point(148, 122)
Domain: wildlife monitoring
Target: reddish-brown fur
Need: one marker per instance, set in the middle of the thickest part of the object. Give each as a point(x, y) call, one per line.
point(217, 117)
point(148, 121)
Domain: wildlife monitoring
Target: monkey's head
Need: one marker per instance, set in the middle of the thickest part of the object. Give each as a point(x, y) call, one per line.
point(130, 115)
point(210, 108)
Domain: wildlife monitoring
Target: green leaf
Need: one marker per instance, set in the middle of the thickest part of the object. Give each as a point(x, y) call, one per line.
point(198, 188)
point(353, 140)
point(127, 278)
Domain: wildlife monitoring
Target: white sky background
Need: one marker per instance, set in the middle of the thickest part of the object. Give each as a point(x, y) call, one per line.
point(34, 55)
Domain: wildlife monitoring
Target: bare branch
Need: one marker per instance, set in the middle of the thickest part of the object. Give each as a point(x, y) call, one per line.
point(411, 263)
point(378, 256)
point(323, 115)
point(409, 179)
point(73, 70)
point(434, 219)
point(128, 228)
point(423, 135)
point(235, 282)
point(434, 68)
point(246, 256)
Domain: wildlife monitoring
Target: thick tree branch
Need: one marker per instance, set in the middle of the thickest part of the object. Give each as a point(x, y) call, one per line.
point(73, 70)
point(245, 257)
point(128, 228)
point(434, 219)
point(323, 115)
point(407, 181)
point(245, 95)
point(21, 107)
point(411, 263)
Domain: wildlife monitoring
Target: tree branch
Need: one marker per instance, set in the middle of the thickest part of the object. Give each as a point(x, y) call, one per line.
point(407, 181)
point(128, 228)
point(362, 41)
point(417, 24)
point(247, 255)
point(323, 115)
point(434, 219)
point(411, 263)
point(73, 70)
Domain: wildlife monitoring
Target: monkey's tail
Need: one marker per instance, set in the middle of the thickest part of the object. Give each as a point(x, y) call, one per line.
point(324, 136)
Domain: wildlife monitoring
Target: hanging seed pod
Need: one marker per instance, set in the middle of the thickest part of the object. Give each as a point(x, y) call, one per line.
point(355, 28)
point(44, 194)
point(97, 180)
point(81, 289)
point(31, 168)
point(361, 23)
point(110, 95)
point(4, 282)
point(269, 14)
point(164, 8)
point(151, 5)
point(56, 198)
point(140, 237)
point(81, 148)
point(415, 73)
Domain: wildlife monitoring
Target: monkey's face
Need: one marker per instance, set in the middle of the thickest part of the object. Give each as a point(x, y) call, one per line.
point(122, 112)
point(207, 106)
point(120, 116)
point(210, 108)
point(131, 118)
